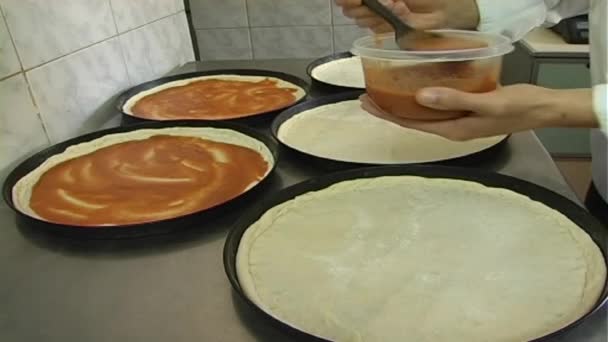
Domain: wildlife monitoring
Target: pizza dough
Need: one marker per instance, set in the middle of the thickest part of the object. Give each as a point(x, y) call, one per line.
point(112, 190)
point(357, 136)
point(214, 97)
point(344, 72)
point(407, 258)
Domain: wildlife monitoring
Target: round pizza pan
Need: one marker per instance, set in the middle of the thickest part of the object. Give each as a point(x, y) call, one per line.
point(254, 119)
point(551, 199)
point(472, 159)
point(140, 229)
point(321, 87)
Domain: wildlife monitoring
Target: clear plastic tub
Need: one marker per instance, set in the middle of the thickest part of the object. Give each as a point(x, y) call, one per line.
point(393, 76)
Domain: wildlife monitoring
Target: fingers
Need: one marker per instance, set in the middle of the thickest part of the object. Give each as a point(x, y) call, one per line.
point(422, 15)
point(370, 22)
point(461, 129)
point(358, 12)
point(348, 3)
point(452, 99)
point(365, 18)
point(383, 27)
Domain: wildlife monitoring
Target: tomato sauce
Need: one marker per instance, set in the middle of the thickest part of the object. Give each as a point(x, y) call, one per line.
point(393, 85)
point(214, 99)
point(157, 178)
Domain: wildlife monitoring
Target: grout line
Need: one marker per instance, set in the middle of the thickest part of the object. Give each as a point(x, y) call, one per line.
point(251, 49)
point(46, 131)
point(331, 13)
point(68, 54)
point(29, 89)
point(39, 114)
point(99, 42)
point(10, 35)
point(122, 52)
point(22, 72)
point(113, 17)
point(11, 75)
point(331, 21)
point(148, 23)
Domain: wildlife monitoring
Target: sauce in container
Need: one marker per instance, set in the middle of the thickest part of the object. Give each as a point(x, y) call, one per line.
point(468, 61)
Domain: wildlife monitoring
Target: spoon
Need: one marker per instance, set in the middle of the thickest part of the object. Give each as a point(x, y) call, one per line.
point(405, 35)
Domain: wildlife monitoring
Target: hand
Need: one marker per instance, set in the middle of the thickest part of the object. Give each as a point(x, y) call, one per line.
point(420, 14)
point(505, 110)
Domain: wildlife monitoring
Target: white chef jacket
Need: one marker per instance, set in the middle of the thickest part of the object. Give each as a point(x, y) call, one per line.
point(515, 18)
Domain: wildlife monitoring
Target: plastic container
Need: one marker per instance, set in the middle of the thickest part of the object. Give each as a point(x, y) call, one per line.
point(393, 76)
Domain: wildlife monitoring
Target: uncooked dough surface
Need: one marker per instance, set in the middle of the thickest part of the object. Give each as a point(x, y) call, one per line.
point(344, 131)
point(414, 259)
point(344, 72)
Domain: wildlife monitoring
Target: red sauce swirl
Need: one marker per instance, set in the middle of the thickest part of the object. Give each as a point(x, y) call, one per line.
point(157, 178)
point(214, 99)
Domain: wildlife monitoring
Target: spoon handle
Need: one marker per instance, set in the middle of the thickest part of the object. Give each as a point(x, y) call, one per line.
point(388, 15)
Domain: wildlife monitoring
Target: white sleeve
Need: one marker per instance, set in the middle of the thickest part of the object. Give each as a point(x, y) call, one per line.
point(515, 18)
point(512, 18)
point(598, 39)
point(600, 105)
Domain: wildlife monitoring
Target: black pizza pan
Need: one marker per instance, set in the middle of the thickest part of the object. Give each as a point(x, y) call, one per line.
point(256, 119)
point(141, 229)
point(574, 212)
point(473, 159)
point(321, 87)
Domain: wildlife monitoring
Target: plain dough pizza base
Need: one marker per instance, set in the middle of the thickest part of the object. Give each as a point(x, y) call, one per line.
point(344, 72)
point(344, 131)
point(416, 259)
point(22, 191)
point(299, 94)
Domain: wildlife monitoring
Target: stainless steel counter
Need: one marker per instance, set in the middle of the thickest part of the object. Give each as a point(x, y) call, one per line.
point(173, 288)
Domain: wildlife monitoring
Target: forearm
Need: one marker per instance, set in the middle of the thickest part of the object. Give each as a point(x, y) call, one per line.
point(564, 108)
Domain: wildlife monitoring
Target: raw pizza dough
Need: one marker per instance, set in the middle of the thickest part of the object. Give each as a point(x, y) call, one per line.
point(299, 94)
point(416, 259)
point(357, 136)
point(344, 72)
point(22, 191)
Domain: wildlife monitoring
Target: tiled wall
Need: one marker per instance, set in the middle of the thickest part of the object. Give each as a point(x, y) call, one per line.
point(267, 29)
point(63, 61)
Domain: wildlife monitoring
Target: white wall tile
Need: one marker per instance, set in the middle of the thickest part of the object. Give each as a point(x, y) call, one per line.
point(130, 14)
point(155, 49)
point(219, 13)
point(216, 44)
point(21, 131)
point(345, 35)
point(291, 42)
point(9, 64)
point(74, 93)
point(264, 13)
point(44, 30)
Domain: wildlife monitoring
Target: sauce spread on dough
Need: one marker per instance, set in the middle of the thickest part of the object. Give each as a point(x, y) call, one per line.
point(157, 178)
point(214, 99)
point(394, 88)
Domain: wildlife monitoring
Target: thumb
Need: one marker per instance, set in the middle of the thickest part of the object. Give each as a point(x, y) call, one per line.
point(450, 99)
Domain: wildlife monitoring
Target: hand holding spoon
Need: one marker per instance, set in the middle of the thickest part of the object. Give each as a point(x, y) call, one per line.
point(406, 36)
